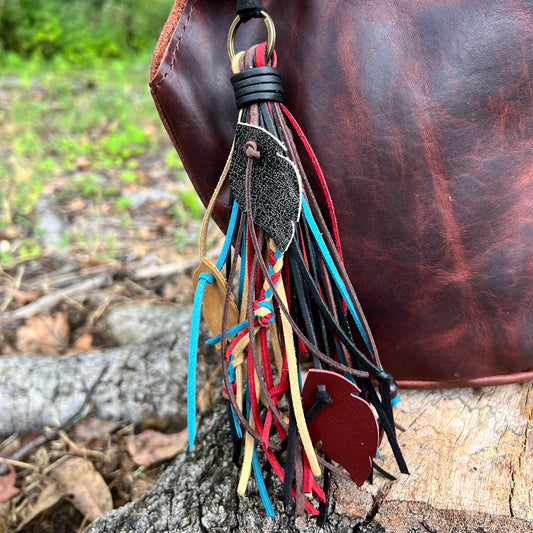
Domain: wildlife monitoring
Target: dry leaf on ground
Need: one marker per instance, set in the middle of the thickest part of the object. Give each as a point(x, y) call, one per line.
point(90, 493)
point(5, 512)
point(53, 186)
point(5, 349)
point(154, 422)
point(84, 343)
point(44, 334)
point(76, 204)
point(24, 297)
point(49, 496)
point(93, 430)
point(7, 485)
point(150, 447)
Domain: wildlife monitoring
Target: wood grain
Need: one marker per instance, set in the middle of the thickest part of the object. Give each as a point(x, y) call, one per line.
point(470, 452)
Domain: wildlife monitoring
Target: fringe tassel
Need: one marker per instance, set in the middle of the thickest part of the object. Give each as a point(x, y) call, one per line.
point(295, 346)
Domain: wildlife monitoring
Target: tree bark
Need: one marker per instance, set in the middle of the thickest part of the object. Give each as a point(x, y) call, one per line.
point(198, 493)
point(471, 464)
point(149, 377)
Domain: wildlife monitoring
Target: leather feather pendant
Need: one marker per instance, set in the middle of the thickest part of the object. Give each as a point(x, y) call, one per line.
point(275, 182)
point(346, 427)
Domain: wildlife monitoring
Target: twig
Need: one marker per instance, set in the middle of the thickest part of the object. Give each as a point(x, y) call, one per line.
point(18, 464)
point(61, 278)
point(170, 269)
point(77, 450)
point(55, 464)
point(50, 300)
point(83, 524)
point(54, 432)
point(25, 450)
point(99, 311)
point(71, 301)
point(11, 293)
point(9, 440)
point(63, 273)
point(140, 290)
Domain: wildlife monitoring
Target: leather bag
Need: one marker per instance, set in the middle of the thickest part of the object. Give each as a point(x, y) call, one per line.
point(421, 115)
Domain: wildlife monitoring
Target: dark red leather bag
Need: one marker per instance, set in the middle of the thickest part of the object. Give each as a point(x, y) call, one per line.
point(421, 114)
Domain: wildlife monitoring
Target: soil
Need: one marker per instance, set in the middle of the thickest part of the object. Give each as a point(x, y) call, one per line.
point(149, 235)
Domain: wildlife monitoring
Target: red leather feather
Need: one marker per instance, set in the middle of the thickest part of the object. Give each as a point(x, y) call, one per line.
point(347, 428)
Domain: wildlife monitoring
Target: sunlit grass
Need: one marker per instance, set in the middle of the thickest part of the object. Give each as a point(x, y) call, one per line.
point(72, 126)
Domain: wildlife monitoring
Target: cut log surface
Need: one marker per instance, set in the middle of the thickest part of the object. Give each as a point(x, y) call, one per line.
point(469, 451)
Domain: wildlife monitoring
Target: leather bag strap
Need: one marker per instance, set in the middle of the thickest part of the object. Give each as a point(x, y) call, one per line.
point(247, 9)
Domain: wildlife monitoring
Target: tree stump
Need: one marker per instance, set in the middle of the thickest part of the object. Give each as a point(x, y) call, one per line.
point(469, 451)
point(470, 456)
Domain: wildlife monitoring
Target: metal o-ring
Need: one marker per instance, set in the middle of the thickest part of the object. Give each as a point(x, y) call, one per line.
point(271, 35)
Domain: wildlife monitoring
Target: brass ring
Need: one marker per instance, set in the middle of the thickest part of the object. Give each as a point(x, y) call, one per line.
point(271, 35)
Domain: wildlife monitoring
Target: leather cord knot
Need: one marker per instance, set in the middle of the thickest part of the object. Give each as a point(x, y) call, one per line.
point(209, 278)
point(247, 9)
point(251, 151)
point(384, 377)
point(322, 398)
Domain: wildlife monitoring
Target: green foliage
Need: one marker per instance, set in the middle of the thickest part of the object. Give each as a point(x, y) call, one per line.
point(190, 199)
point(87, 186)
point(123, 203)
point(74, 132)
point(77, 120)
point(29, 249)
point(173, 161)
point(82, 32)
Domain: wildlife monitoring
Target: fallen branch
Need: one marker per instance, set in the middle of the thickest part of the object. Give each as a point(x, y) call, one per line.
point(50, 300)
point(13, 462)
point(170, 269)
point(13, 290)
point(53, 432)
point(59, 279)
point(66, 271)
point(145, 378)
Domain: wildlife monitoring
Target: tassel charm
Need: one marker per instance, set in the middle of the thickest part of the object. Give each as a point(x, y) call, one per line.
point(298, 360)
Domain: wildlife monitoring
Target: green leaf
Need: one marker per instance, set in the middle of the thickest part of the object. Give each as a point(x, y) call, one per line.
point(190, 199)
